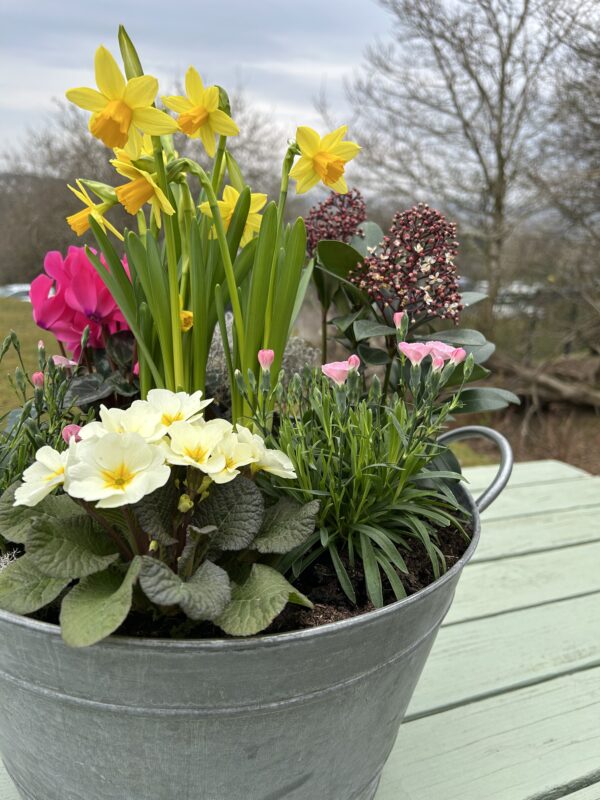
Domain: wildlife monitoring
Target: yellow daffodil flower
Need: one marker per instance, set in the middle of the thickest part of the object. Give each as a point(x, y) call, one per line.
point(199, 112)
point(227, 207)
point(322, 159)
point(80, 221)
point(137, 147)
point(142, 188)
point(187, 320)
point(119, 107)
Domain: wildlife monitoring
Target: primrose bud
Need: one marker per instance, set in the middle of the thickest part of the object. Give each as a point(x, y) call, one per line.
point(185, 504)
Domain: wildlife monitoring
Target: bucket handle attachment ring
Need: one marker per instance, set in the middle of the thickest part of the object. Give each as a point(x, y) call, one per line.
point(506, 458)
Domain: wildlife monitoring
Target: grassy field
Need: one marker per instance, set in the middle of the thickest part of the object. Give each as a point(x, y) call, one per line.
point(15, 315)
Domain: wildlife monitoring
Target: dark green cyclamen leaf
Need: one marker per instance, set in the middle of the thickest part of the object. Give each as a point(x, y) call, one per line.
point(256, 602)
point(72, 547)
point(16, 521)
point(98, 605)
point(120, 348)
point(157, 512)
point(366, 328)
point(202, 597)
point(287, 524)
point(373, 355)
point(485, 399)
point(236, 509)
point(24, 589)
point(86, 389)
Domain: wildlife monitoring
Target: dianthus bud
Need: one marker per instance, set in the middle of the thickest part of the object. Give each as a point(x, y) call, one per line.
point(398, 319)
point(265, 359)
point(38, 379)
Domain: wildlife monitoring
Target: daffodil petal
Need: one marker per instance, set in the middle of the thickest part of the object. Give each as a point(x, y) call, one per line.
point(194, 87)
point(89, 99)
point(177, 103)
point(208, 139)
point(307, 183)
point(125, 169)
point(301, 168)
point(345, 150)
point(222, 123)
point(156, 211)
point(204, 208)
point(163, 200)
point(210, 100)
point(230, 195)
point(308, 140)
point(109, 77)
point(153, 121)
point(257, 201)
point(141, 92)
point(331, 139)
point(340, 186)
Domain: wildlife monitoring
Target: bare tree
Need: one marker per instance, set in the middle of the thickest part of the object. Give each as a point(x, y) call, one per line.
point(450, 110)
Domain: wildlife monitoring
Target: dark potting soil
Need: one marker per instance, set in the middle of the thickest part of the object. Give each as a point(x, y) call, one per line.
point(319, 583)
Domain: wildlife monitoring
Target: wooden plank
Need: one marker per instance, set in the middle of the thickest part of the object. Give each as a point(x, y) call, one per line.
point(545, 498)
point(489, 656)
point(526, 472)
point(492, 587)
point(502, 538)
point(517, 746)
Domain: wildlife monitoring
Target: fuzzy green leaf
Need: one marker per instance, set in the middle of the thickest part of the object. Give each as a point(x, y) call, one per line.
point(16, 521)
point(256, 602)
point(203, 596)
point(24, 589)
point(98, 605)
point(287, 524)
point(236, 509)
point(69, 548)
point(157, 511)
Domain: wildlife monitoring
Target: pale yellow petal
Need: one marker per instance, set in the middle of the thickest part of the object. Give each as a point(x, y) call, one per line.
point(208, 139)
point(222, 123)
point(89, 99)
point(331, 139)
point(304, 184)
point(308, 140)
point(141, 92)
point(109, 77)
point(210, 99)
point(257, 201)
point(205, 209)
point(153, 121)
point(177, 103)
point(345, 150)
point(194, 87)
point(163, 200)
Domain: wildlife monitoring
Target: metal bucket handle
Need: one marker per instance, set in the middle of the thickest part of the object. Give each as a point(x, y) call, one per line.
point(506, 458)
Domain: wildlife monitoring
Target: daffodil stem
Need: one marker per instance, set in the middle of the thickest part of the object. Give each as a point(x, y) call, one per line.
point(283, 191)
point(173, 279)
point(216, 173)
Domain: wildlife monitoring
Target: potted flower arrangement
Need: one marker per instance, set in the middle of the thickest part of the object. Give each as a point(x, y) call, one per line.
point(228, 601)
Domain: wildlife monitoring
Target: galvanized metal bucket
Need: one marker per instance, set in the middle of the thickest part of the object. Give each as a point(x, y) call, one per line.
point(311, 715)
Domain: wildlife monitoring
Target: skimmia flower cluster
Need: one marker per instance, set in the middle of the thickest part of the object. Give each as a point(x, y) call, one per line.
point(338, 217)
point(414, 268)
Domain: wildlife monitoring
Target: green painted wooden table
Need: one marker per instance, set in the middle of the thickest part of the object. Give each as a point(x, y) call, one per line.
point(508, 707)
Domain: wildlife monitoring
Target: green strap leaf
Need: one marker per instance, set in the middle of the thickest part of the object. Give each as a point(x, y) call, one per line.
point(69, 548)
point(98, 605)
point(203, 597)
point(287, 525)
point(24, 589)
point(256, 602)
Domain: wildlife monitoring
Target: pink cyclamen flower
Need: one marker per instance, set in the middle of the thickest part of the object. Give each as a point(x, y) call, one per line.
point(415, 351)
point(71, 431)
point(397, 318)
point(338, 370)
point(136, 368)
point(265, 359)
point(38, 379)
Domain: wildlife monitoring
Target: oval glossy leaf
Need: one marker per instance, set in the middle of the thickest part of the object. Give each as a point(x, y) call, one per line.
point(485, 399)
point(372, 238)
point(338, 257)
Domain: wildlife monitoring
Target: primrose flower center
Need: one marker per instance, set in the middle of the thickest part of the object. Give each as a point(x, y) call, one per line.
point(112, 124)
point(169, 419)
point(118, 478)
point(328, 167)
point(134, 194)
point(190, 121)
point(56, 474)
point(197, 454)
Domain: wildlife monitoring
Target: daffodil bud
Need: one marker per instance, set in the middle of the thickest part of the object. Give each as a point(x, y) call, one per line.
point(101, 190)
point(131, 60)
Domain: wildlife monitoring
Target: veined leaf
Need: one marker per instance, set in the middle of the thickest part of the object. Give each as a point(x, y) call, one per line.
point(16, 521)
point(203, 596)
point(236, 510)
point(24, 589)
point(287, 525)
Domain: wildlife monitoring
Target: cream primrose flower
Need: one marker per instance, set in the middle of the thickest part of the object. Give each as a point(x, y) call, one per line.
point(265, 459)
point(192, 445)
point(236, 454)
point(139, 418)
point(116, 470)
point(176, 406)
point(45, 474)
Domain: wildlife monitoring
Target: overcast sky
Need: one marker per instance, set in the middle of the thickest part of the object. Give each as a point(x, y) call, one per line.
point(282, 52)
